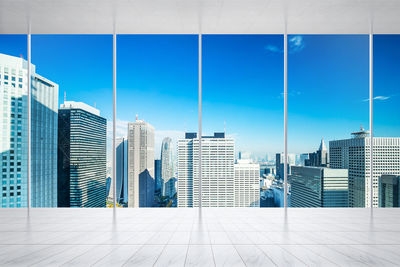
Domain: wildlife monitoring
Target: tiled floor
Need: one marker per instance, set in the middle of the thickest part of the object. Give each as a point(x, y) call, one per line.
point(184, 237)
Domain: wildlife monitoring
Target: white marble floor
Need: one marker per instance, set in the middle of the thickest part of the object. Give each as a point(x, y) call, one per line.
point(184, 237)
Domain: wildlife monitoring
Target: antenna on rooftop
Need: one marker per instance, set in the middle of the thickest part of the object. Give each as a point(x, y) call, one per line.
point(136, 117)
point(65, 96)
point(94, 104)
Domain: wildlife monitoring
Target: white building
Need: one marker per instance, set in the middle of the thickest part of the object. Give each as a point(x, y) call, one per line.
point(140, 164)
point(354, 154)
point(14, 135)
point(247, 184)
point(218, 156)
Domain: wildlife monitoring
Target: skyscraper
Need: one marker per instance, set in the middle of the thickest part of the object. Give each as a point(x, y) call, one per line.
point(389, 191)
point(81, 156)
point(14, 135)
point(167, 166)
point(140, 164)
point(218, 156)
point(318, 187)
point(318, 158)
point(247, 184)
point(354, 154)
point(157, 176)
point(280, 164)
point(122, 170)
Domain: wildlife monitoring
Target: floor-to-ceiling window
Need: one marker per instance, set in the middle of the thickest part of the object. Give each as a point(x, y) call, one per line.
point(242, 118)
point(157, 119)
point(71, 120)
point(13, 121)
point(328, 103)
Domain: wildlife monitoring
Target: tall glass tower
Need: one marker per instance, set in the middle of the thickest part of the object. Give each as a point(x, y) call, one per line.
point(81, 156)
point(14, 135)
point(167, 167)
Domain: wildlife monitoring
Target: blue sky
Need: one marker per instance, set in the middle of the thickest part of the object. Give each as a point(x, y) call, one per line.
point(242, 83)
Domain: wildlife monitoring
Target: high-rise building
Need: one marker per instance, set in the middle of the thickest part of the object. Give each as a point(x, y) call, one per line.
point(81, 156)
point(280, 162)
point(217, 168)
point(167, 166)
point(14, 135)
point(157, 176)
point(303, 158)
point(318, 158)
point(318, 187)
point(247, 184)
point(122, 170)
point(140, 164)
point(354, 154)
point(389, 191)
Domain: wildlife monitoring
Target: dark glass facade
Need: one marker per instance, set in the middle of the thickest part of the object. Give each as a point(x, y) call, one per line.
point(81, 159)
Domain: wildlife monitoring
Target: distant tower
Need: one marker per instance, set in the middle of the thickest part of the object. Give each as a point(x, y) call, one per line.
point(322, 154)
point(140, 164)
point(167, 168)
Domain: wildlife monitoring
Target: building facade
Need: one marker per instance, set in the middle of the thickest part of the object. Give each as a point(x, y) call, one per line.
point(157, 176)
point(354, 154)
point(140, 164)
point(81, 156)
point(389, 191)
point(318, 187)
point(217, 168)
point(122, 170)
point(14, 135)
point(167, 166)
point(247, 184)
point(318, 158)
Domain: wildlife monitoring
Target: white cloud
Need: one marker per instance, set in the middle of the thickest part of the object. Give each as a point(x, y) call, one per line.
point(296, 44)
point(273, 49)
point(380, 97)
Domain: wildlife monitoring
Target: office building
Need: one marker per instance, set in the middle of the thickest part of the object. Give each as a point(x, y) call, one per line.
point(140, 164)
point(217, 166)
point(247, 184)
point(14, 135)
point(318, 187)
point(389, 191)
point(354, 154)
point(81, 156)
point(318, 158)
point(157, 176)
point(280, 162)
point(303, 158)
point(122, 170)
point(167, 166)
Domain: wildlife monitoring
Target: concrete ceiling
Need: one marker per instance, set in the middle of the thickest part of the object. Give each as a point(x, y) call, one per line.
point(192, 16)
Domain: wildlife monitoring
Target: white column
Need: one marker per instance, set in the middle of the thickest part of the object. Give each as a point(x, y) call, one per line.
point(200, 130)
point(114, 171)
point(285, 115)
point(371, 117)
point(29, 120)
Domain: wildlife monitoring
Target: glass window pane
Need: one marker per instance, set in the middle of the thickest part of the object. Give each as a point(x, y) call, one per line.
point(328, 119)
point(242, 120)
point(71, 104)
point(386, 165)
point(13, 121)
point(157, 105)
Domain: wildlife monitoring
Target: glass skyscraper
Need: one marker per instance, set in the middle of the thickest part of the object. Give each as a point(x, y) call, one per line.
point(14, 135)
point(81, 156)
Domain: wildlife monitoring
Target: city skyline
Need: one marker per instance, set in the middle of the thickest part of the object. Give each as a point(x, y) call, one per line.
point(242, 84)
